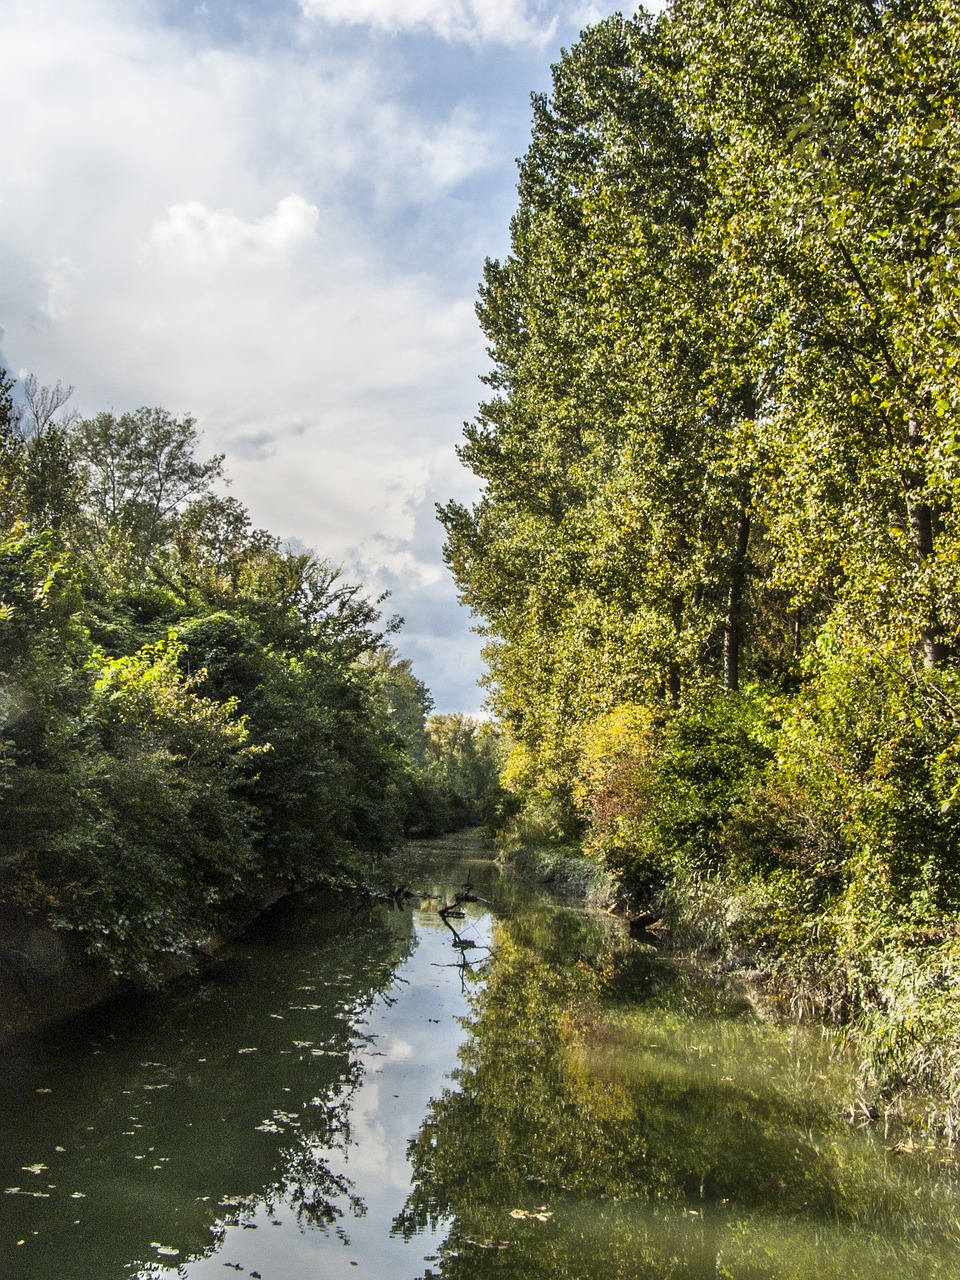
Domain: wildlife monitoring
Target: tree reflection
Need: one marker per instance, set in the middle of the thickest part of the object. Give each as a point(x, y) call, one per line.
point(667, 1137)
point(174, 1118)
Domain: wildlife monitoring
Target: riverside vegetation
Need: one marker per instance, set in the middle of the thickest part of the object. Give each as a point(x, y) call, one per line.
point(192, 715)
point(717, 556)
point(717, 551)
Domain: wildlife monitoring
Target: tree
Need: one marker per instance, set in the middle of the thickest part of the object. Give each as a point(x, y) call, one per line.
point(140, 471)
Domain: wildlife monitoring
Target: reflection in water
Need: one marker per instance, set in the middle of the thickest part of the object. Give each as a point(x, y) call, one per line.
point(614, 1116)
point(235, 1121)
point(292, 1114)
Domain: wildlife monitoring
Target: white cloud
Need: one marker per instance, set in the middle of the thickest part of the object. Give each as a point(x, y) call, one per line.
point(394, 1049)
point(279, 237)
point(472, 21)
point(58, 290)
point(191, 233)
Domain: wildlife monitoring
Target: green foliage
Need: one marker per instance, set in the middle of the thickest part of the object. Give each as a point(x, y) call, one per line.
point(464, 760)
point(162, 836)
point(659, 791)
point(717, 553)
point(191, 716)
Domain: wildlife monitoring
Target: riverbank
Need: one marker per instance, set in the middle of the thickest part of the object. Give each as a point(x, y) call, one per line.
point(47, 974)
point(889, 998)
point(564, 870)
point(361, 1090)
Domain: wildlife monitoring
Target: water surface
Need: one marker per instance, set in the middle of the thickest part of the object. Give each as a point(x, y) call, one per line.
point(366, 1091)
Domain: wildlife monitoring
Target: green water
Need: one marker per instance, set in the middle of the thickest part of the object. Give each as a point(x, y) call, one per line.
point(360, 1091)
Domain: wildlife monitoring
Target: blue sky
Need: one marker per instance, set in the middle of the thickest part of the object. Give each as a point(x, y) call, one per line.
point(274, 216)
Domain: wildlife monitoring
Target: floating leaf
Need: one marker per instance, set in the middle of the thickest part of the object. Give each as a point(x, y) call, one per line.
point(543, 1214)
point(33, 1168)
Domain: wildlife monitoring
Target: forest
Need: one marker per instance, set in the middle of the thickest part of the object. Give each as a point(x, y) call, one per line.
point(716, 554)
point(195, 716)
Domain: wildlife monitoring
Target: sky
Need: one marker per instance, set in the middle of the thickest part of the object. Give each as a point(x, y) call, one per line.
point(273, 215)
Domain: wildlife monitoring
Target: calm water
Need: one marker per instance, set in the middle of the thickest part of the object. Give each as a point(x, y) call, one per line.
point(359, 1091)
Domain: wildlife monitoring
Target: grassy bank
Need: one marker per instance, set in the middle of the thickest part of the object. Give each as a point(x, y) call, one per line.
point(890, 992)
point(565, 869)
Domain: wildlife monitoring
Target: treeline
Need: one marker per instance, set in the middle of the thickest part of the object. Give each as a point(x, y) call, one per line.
point(717, 552)
point(192, 714)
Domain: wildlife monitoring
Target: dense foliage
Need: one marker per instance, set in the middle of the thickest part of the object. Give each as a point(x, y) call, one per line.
point(192, 714)
point(717, 551)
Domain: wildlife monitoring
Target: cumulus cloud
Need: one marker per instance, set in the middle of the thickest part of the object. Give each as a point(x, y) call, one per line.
point(280, 232)
point(472, 21)
point(199, 236)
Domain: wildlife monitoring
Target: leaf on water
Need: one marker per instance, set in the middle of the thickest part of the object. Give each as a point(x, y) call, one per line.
point(33, 1168)
point(44, 1091)
point(302, 1044)
point(11, 1191)
point(59, 1148)
point(247, 1050)
point(161, 1086)
point(543, 1214)
point(164, 1250)
point(78, 1195)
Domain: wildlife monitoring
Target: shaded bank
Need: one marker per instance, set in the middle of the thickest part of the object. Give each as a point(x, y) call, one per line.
point(47, 974)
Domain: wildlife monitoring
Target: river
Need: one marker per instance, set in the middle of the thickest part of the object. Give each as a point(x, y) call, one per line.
point(361, 1090)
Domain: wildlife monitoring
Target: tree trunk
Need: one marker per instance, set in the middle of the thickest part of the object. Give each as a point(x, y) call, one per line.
point(673, 667)
point(732, 627)
point(924, 519)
